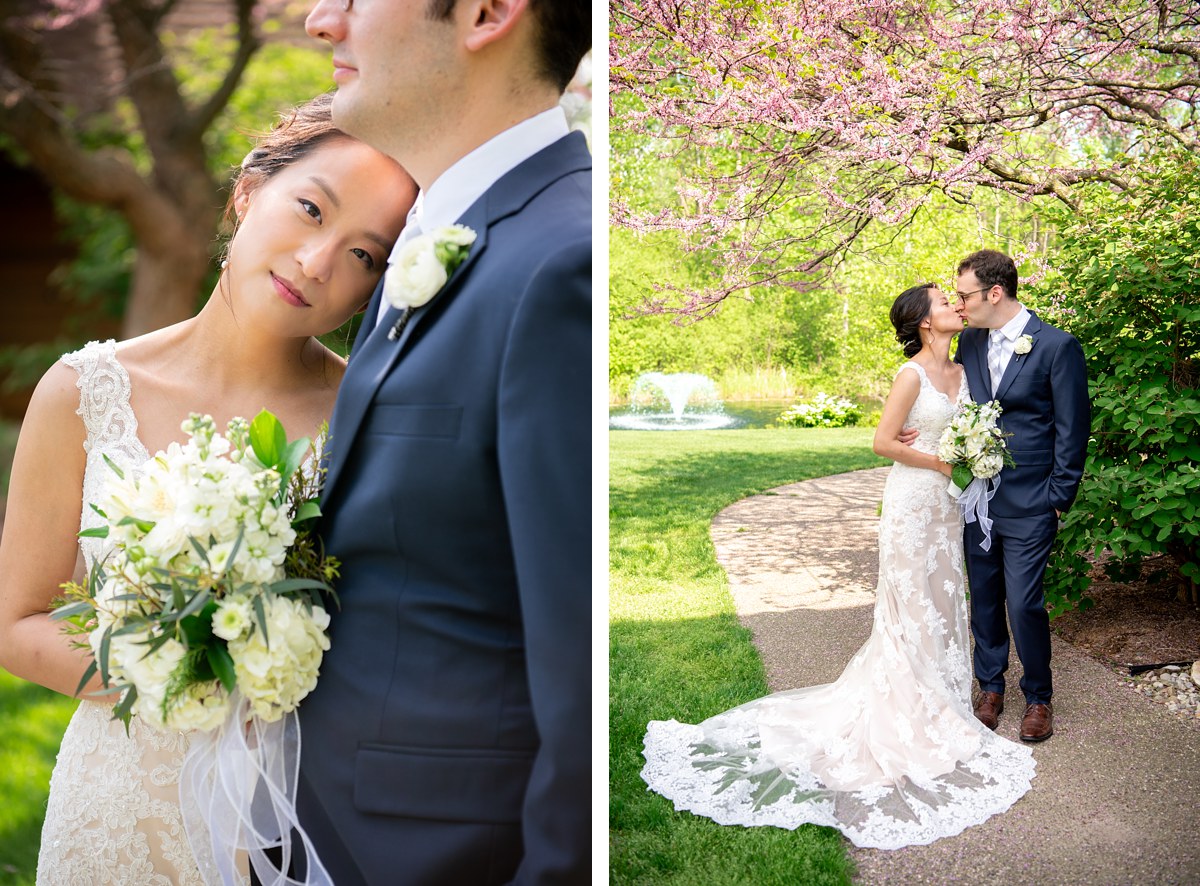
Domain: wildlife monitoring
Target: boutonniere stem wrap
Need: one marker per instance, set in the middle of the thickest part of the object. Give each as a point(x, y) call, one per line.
point(1023, 345)
point(421, 268)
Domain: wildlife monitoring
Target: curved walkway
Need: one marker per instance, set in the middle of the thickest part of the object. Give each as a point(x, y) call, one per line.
point(1115, 797)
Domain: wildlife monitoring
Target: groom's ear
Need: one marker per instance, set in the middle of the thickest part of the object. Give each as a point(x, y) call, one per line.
point(494, 20)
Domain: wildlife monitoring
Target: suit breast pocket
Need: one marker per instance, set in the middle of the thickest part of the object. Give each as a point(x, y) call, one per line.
point(1031, 379)
point(394, 420)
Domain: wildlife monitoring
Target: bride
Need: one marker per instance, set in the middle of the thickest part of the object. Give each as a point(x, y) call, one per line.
point(315, 215)
point(890, 753)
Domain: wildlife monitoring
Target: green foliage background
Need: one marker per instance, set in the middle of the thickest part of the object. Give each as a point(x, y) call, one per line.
point(278, 77)
point(1127, 284)
point(781, 340)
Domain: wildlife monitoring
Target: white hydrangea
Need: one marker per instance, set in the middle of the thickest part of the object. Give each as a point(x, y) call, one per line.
point(988, 465)
point(274, 673)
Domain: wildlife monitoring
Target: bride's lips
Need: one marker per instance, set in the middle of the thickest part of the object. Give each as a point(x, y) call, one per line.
point(289, 293)
point(342, 71)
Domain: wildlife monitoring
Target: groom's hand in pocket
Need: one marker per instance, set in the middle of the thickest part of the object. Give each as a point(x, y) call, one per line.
point(908, 436)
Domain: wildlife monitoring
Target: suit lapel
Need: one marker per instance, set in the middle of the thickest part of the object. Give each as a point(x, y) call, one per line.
point(368, 321)
point(974, 363)
point(981, 367)
point(1018, 361)
point(374, 355)
point(476, 218)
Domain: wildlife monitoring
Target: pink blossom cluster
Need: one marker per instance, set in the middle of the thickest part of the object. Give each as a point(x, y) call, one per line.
point(813, 119)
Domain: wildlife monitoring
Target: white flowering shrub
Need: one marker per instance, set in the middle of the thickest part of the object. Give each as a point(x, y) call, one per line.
point(822, 411)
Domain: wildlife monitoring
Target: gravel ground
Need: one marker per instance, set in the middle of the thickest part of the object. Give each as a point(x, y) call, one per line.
point(1105, 807)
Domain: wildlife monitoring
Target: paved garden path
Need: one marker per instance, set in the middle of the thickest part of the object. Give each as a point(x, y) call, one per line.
point(1117, 791)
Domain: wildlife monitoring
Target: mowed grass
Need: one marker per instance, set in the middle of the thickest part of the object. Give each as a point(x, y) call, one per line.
point(677, 650)
point(34, 720)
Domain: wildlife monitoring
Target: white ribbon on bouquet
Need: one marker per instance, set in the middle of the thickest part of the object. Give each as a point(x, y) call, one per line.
point(973, 502)
point(237, 790)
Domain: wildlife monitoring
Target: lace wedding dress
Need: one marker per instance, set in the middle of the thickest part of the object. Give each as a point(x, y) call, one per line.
point(113, 816)
point(890, 753)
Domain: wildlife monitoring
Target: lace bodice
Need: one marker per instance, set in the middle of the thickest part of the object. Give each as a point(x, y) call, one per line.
point(113, 815)
point(890, 753)
point(932, 410)
point(104, 391)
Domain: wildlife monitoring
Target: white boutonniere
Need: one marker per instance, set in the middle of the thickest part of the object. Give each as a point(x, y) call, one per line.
point(421, 268)
point(1023, 345)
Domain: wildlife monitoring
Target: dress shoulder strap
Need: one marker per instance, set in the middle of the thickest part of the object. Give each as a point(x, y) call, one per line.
point(916, 367)
point(103, 396)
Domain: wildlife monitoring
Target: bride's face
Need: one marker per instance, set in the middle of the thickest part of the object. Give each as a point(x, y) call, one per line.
point(313, 239)
point(943, 317)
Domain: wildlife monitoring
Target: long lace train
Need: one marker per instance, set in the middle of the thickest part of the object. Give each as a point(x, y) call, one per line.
point(890, 753)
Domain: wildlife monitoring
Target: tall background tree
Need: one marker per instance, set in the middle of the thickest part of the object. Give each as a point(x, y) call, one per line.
point(796, 125)
point(120, 107)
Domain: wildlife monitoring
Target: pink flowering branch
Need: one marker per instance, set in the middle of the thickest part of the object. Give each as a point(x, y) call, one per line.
point(795, 125)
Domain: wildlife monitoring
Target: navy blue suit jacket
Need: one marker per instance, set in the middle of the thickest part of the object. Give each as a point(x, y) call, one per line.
point(448, 738)
point(1044, 397)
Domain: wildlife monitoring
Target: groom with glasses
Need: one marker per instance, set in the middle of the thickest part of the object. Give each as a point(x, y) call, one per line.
point(1037, 374)
point(448, 740)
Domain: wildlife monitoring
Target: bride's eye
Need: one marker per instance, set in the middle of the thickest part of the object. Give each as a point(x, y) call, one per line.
point(310, 209)
point(365, 257)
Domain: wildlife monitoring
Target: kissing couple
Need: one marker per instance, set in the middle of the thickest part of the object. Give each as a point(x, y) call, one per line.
point(895, 752)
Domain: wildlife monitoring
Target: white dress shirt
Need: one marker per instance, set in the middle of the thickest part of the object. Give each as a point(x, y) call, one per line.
point(1006, 338)
point(465, 182)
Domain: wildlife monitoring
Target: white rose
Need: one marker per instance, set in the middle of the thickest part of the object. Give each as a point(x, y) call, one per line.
point(1023, 345)
point(415, 275)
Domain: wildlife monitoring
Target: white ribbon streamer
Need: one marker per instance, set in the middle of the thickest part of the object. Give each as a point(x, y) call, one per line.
point(237, 790)
point(973, 502)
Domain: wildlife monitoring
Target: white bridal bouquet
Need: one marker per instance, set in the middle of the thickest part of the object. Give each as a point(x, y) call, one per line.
point(975, 448)
point(206, 614)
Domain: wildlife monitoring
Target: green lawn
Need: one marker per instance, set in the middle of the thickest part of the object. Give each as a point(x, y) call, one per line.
point(677, 650)
point(34, 720)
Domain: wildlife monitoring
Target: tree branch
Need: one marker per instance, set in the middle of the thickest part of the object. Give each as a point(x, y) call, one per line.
point(248, 44)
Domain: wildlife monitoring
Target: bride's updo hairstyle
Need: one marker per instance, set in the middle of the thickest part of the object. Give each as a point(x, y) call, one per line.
point(909, 310)
point(297, 134)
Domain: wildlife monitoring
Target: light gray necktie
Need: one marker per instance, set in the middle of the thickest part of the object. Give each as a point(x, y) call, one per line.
point(994, 355)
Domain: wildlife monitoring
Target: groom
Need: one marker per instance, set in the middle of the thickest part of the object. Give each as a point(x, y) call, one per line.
point(1037, 373)
point(448, 740)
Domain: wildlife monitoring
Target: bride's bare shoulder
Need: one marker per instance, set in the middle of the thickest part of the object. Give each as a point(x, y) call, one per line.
point(150, 348)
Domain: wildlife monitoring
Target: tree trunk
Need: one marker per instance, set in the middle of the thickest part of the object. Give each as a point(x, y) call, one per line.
point(165, 286)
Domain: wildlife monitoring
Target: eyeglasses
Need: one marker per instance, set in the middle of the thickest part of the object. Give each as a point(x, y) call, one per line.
point(963, 296)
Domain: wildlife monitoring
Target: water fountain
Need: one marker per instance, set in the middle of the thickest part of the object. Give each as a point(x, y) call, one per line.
point(673, 401)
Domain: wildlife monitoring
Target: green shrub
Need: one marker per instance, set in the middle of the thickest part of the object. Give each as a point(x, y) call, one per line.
point(1127, 284)
point(822, 411)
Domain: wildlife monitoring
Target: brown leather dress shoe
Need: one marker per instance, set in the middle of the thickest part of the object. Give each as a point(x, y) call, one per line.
point(1038, 723)
point(988, 708)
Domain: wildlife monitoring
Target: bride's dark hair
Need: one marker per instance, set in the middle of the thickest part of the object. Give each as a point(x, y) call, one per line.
point(909, 309)
point(296, 134)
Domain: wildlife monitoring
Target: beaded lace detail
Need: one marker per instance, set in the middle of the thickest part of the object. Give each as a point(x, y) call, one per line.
point(113, 815)
point(890, 753)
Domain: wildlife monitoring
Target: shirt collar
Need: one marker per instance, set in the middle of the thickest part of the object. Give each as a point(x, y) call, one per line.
point(452, 194)
point(1014, 327)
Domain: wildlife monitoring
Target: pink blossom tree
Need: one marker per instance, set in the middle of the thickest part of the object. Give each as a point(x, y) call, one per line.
point(794, 126)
